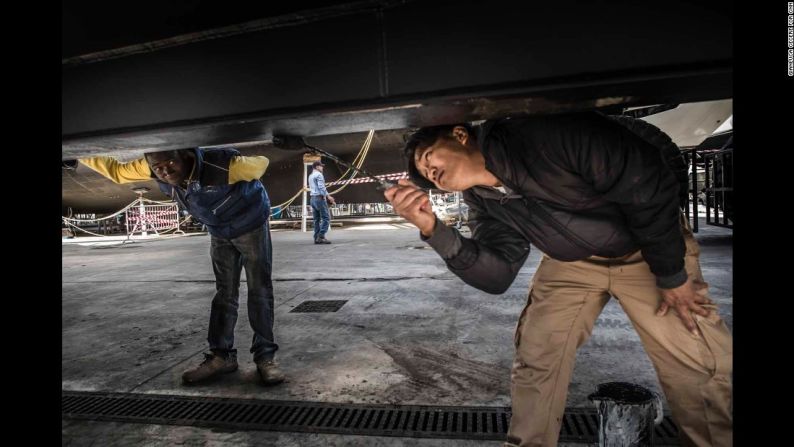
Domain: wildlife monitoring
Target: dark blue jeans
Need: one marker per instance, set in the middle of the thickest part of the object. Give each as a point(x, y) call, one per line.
point(253, 252)
point(322, 218)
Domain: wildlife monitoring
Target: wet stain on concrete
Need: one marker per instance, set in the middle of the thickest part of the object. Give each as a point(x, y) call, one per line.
point(444, 372)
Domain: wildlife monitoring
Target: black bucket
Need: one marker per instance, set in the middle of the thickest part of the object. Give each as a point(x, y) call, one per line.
point(627, 414)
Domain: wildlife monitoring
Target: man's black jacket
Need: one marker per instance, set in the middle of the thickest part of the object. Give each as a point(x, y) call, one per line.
point(582, 185)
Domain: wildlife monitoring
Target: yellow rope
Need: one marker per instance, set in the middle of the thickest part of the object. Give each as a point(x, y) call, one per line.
point(364, 152)
point(288, 202)
point(356, 162)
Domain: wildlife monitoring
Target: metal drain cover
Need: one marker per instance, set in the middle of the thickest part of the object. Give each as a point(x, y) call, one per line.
point(320, 306)
point(417, 421)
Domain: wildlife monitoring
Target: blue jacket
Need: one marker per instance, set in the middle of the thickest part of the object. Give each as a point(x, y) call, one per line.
point(227, 210)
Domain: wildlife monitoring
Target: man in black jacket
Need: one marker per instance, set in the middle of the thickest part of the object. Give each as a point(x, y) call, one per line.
point(602, 205)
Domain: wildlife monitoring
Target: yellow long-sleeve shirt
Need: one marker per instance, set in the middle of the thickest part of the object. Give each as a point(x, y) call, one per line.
point(241, 168)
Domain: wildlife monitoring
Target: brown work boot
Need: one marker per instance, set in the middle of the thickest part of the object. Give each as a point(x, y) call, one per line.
point(269, 372)
point(212, 366)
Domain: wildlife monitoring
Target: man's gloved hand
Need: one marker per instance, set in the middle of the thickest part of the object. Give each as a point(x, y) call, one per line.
point(412, 203)
point(69, 164)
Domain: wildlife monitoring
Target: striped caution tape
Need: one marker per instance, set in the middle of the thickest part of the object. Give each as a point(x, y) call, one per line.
point(391, 177)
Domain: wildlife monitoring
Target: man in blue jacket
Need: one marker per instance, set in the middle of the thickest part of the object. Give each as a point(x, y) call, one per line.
point(221, 189)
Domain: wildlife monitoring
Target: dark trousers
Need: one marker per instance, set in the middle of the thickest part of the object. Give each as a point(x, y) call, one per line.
point(253, 252)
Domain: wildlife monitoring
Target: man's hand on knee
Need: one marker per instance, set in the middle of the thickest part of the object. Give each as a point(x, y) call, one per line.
point(685, 300)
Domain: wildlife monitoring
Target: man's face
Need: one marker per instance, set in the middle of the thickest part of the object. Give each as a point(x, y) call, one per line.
point(448, 163)
point(169, 167)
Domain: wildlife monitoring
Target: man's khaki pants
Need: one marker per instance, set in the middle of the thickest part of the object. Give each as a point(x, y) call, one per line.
point(564, 301)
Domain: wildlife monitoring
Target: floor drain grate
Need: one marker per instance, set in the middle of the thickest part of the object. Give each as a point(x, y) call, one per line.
point(483, 423)
point(320, 306)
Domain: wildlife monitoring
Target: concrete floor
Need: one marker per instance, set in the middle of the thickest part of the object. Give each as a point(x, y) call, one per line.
point(135, 316)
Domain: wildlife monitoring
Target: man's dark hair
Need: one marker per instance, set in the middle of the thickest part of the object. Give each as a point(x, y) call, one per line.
point(176, 153)
point(424, 138)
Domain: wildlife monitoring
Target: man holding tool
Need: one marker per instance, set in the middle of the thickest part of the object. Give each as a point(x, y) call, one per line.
point(602, 205)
